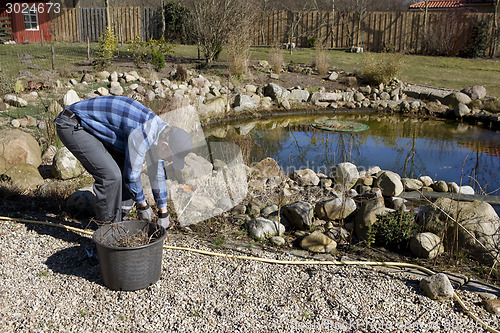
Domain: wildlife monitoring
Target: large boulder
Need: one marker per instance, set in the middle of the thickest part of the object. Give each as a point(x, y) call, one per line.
point(298, 214)
point(411, 184)
point(17, 147)
point(367, 216)
point(426, 245)
point(475, 92)
point(24, 176)
point(479, 223)
point(456, 98)
point(214, 106)
point(305, 177)
point(319, 97)
point(267, 168)
point(299, 95)
point(276, 92)
point(195, 166)
point(461, 110)
point(14, 100)
point(244, 102)
point(335, 209)
point(65, 165)
point(81, 203)
point(390, 184)
point(345, 175)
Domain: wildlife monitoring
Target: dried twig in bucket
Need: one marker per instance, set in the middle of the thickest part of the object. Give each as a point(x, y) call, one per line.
point(137, 239)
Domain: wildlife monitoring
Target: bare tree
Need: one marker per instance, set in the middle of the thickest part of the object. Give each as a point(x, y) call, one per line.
point(426, 13)
point(495, 32)
point(214, 20)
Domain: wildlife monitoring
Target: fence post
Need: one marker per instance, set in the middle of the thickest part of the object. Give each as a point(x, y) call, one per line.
point(41, 37)
point(53, 58)
point(88, 48)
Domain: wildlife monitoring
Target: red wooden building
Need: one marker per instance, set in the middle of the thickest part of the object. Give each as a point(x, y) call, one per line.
point(29, 21)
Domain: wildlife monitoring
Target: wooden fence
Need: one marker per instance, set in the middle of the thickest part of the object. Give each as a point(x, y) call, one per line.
point(374, 31)
point(80, 24)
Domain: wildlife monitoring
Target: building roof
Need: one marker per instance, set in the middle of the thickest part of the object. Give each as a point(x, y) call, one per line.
point(451, 4)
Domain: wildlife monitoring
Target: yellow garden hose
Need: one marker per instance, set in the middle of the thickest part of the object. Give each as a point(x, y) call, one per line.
point(280, 262)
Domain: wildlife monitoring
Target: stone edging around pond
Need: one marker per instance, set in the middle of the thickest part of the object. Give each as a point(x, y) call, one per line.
point(217, 102)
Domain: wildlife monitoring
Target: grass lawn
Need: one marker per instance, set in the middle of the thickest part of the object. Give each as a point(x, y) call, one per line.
point(455, 73)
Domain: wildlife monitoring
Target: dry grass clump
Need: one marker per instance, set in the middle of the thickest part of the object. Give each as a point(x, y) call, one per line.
point(238, 50)
point(180, 73)
point(382, 69)
point(492, 105)
point(276, 59)
point(322, 61)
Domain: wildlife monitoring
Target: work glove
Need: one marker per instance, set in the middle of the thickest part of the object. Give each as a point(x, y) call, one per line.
point(145, 213)
point(163, 220)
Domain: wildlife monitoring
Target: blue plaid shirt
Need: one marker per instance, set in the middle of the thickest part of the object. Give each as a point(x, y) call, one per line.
point(126, 126)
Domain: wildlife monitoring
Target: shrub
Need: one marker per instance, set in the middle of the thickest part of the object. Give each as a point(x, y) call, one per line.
point(176, 22)
point(383, 69)
point(154, 51)
point(322, 61)
point(477, 42)
point(136, 45)
point(108, 44)
point(311, 42)
point(393, 229)
point(276, 60)
point(158, 60)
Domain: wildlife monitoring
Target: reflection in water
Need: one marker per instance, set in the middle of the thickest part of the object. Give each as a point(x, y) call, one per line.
point(446, 151)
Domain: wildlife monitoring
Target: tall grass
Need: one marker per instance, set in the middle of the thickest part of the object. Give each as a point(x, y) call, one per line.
point(276, 59)
point(323, 61)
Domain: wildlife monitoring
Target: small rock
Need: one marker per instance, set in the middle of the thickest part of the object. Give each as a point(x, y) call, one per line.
point(261, 228)
point(492, 305)
point(333, 76)
point(278, 240)
point(305, 177)
point(319, 243)
point(440, 186)
point(437, 287)
point(70, 97)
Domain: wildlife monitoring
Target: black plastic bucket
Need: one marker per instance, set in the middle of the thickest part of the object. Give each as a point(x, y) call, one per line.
point(129, 268)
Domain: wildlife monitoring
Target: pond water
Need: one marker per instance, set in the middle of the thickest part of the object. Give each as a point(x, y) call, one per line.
point(443, 150)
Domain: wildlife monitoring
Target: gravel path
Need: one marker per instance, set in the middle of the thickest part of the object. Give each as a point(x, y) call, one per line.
point(48, 284)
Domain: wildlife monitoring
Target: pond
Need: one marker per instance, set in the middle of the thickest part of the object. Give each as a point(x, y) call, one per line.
point(444, 150)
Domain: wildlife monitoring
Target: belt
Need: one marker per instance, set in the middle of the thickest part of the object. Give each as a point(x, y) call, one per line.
point(71, 115)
